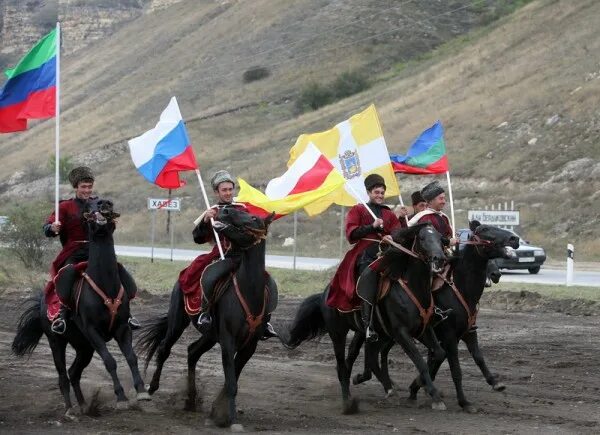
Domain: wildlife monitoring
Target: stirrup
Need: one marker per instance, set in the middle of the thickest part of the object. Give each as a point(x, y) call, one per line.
point(134, 323)
point(59, 326)
point(269, 332)
point(371, 336)
point(204, 322)
point(442, 314)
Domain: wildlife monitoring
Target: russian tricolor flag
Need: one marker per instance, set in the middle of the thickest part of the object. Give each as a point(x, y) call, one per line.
point(159, 154)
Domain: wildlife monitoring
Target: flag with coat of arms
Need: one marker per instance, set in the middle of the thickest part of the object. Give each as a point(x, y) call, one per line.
point(356, 148)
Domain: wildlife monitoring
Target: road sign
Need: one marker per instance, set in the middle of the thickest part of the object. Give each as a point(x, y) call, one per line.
point(495, 217)
point(173, 204)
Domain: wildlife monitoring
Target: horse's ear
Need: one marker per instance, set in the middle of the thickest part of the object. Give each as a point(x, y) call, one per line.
point(473, 225)
point(269, 219)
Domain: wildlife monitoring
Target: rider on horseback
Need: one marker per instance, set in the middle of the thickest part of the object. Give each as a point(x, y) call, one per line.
point(223, 185)
point(73, 234)
point(364, 233)
point(435, 197)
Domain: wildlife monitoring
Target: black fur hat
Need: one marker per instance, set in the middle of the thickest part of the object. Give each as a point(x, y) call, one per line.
point(417, 197)
point(432, 190)
point(374, 180)
point(79, 174)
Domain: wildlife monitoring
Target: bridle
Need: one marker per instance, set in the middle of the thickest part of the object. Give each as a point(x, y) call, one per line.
point(259, 234)
point(479, 243)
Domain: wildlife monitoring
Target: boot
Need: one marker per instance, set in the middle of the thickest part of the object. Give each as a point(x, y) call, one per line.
point(367, 310)
point(59, 325)
point(134, 323)
point(269, 332)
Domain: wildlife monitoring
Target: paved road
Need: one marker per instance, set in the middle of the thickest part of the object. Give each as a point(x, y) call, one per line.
point(548, 275)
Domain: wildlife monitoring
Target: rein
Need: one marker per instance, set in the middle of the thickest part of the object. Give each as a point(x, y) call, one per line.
point(471, 317)
point(425, 314)
point(112, 304)
point(253, 321)
point(397, 246)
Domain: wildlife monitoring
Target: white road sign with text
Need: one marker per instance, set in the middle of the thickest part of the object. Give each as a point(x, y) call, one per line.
point(173, 204)
point(495, 217)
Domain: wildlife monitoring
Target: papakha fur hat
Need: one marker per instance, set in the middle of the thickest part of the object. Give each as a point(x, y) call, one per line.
point(373, 181)
point(432, 190)
point(79, 174)
point(221, 177)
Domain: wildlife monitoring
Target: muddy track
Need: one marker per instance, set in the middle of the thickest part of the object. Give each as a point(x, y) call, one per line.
point(548, 360)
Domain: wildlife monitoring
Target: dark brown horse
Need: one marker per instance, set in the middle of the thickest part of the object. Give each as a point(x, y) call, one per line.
point(239, 316)
point(398, 315)
point(92, 324)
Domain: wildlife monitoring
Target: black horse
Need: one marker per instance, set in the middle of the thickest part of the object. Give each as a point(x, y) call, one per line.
point(460, 297)
point(239, 319)
point(95, 320)
point(399, 315)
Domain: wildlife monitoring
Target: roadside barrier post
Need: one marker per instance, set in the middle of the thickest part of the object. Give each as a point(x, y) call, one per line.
point(570, 255)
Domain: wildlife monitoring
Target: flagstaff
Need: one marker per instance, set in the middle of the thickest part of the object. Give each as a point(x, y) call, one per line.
point(57, 130)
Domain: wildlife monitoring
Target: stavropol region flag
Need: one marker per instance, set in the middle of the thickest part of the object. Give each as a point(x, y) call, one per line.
point(426, 155)
point(30, 92)
point(308, 179)
point(356, 148)
point(161, 153)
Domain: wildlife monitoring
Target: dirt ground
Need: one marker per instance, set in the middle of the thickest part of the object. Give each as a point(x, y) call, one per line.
point(547, 359)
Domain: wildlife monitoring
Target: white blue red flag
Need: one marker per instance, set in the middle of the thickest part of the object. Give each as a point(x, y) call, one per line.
point(161, 153)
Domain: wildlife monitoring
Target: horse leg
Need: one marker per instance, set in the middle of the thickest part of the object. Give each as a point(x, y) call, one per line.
point(353, 352)
point(435, 358)
point(125, 342)
point(111, 365)
point(241, 358)
point(381, 372)
point(82, 360)
point(178, 321)
point(404, 339)
point(58, 347)
point(470, 339)
point(195, 351)
point(452, 352)
point(350, 405)
point(223, 410)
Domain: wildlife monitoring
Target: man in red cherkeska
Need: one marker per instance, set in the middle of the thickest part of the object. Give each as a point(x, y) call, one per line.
point(73, 234)
point(189, 278)
point(364, 233)
point(435, 197)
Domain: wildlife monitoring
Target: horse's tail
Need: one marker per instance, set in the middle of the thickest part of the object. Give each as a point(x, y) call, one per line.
point(150, 336)
point(29, 328)
point(308, 322)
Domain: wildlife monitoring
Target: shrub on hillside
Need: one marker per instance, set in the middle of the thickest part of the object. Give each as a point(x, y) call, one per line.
point(349, 83)
point(313, 96)
point(256, 73)
point(64, 167)
point(22, 233)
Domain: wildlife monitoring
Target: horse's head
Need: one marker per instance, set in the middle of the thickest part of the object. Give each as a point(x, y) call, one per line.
point(493, 242)
point(241, 228)
point(424, 242)
point(100, 216)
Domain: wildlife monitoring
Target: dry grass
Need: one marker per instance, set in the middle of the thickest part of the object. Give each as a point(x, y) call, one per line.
point(522, 70)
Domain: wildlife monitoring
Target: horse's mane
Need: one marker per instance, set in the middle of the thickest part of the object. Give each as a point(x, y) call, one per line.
point(394, 262)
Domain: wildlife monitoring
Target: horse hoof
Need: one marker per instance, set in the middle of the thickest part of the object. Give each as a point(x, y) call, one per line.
point(499, 387)
point(356, 379)
point(389, 393)
point(350, 406)
point(469, 409)
point(190, 405)
point(237, 428)
point(70, 415)
point(143, 396)
point(123, 405)
point(438, 406)
point(152, 389)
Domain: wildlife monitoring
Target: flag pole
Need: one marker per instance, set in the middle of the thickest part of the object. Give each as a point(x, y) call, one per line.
point(451, 203)
point(57, 129)
point(212, 221)
point(402, 204)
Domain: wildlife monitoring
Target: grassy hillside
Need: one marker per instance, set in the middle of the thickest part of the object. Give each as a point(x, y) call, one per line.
point(519, 100)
